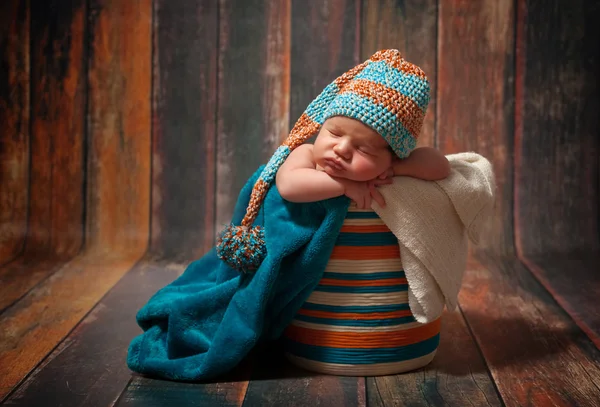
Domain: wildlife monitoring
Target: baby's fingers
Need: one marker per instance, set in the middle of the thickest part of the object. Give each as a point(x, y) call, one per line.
point(376, 195)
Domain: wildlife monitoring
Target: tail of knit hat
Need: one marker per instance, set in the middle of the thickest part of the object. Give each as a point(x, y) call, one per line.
point(385, 92)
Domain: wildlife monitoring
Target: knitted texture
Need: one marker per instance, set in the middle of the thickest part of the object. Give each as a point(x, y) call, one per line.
point(386, 93)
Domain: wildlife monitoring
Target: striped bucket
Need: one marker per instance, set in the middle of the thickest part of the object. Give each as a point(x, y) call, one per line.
point(357, 321)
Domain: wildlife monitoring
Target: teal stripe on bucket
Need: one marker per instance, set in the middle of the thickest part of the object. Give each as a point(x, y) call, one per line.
point(362, 356)
point(364, 276)
point(362, 215)
point(356, 322)
point(363, 309)
point(366, 239)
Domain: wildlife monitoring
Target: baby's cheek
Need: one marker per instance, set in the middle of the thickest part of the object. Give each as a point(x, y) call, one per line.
point(369, 168)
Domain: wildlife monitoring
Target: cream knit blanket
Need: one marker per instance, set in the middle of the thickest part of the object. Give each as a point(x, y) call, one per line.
point(433, 221)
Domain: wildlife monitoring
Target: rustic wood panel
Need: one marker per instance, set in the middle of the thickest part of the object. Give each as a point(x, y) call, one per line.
point(57, 103)
point(119, 147)
point(456, 374)
point(277, 382)
point(55, 231)
point(118, 170)
point(574, 282)
point(557, 147)
point(20, 276)
point(557, 153)
point(184, 128)
point(475, 102)
point(148, 392)
point(57, 116)
point(88, 368)
point(253, 93)
point(325, 44)
point(226, 391)
point(536, 353)
point(409, 26)
point(14, 126)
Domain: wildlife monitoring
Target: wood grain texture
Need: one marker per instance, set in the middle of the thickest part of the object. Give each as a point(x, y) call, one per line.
point(253, 93)
point(457, 376)
point(57, 125)
point(557, 148)
point(574, 282)
point(148, 392)
point(20, 276)
point(184, 130)
point(58, 94)
point(14, 126)
point(118, 173)
point(88, 368)
point(325, 44)
point(475, 101)
point(277, 382)
point(536, 353)
point(556, 154)
point(409, 26)
point(118, 179)
point(226, 392)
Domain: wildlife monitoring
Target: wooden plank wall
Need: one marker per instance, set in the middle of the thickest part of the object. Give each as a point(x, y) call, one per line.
point(127, 129)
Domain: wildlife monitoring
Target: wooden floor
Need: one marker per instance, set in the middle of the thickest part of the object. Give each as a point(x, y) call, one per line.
point(526, 333)
point(128, 127)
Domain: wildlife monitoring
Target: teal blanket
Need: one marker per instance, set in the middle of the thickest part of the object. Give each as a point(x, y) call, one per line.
point(207, 320)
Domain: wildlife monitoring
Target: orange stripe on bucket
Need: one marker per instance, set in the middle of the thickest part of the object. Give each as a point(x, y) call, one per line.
point(364, 229)
point(365, 252)
point(363, 340)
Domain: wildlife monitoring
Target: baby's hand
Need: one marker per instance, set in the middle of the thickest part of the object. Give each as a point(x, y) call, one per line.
point(362, 192)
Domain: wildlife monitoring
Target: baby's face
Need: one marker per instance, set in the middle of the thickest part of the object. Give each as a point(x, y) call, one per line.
point(349, 149)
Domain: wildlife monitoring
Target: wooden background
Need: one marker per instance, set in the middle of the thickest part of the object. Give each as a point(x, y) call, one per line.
point(128, 127)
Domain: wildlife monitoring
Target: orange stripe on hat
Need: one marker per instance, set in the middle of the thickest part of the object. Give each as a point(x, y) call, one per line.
point(403, 107)
point(304, 128)
point(394, 58)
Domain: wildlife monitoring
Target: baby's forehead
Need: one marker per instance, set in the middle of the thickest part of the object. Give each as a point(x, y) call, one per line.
point(355, 129)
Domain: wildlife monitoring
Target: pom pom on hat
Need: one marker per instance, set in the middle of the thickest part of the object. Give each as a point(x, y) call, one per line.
point(386, 93)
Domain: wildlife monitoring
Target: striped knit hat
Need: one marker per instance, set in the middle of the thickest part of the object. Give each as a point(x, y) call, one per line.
point(386, 92)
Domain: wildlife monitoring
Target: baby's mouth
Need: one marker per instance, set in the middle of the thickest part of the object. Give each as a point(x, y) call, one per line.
point(333, 164)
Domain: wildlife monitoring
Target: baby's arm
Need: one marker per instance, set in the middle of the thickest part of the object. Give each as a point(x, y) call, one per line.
point(425, 163)
point(298, 180)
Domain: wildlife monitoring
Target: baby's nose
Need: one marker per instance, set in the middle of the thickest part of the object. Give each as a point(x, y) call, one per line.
point(342, 151)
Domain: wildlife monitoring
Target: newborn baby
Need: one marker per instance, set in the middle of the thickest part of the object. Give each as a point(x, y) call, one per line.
point(350, 158)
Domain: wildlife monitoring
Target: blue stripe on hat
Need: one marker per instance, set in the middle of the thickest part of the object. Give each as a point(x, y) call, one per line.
point(318, 106)
point(407, 84)
point(270, 171)
point(377, 117)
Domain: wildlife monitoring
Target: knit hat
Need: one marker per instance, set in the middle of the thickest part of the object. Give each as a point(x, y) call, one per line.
point(386, 93)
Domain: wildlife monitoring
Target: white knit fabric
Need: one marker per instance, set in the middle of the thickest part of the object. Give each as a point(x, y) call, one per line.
point(433, 221)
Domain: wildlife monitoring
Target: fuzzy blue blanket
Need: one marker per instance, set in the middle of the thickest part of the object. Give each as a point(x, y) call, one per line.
point(207, 320)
